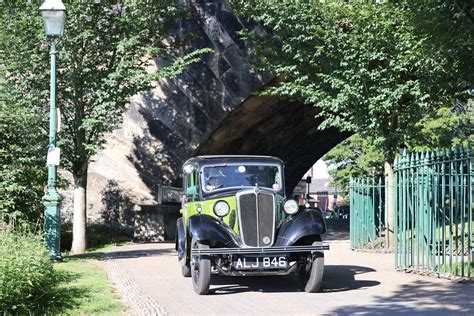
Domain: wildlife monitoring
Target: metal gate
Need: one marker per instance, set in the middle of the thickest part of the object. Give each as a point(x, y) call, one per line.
point(367, 211)
point(433, 212)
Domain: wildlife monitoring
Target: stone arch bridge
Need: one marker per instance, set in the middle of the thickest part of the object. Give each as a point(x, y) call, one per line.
point(209, 109)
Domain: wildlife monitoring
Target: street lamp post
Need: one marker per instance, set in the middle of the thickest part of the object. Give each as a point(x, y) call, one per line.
point(308, 184)
point(54, 17)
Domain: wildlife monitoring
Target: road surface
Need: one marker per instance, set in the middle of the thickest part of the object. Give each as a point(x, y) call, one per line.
point(148, 278)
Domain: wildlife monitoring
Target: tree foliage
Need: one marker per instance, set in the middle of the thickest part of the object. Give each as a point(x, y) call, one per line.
point(102, 61)
point(22, 160)
point(106, 55)
point(372, 68)
point(444, 128)
point(355, 157)
point(358, 157)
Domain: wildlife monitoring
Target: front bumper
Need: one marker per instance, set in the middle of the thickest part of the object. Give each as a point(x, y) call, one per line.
point(259, 250)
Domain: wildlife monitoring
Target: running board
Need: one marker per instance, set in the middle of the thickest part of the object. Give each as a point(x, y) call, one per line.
point(258, 250)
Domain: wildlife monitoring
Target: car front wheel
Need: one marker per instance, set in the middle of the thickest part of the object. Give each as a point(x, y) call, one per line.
point(311, 273)
point(186, 270)
point(200, 269)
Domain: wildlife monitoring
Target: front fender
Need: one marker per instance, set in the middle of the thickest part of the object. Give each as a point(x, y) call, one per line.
point(180, 239)
point(305, 223)
point(205, 228)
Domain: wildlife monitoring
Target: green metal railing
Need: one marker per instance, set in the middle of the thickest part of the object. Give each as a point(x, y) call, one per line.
point(433, 212)
point(367, 218)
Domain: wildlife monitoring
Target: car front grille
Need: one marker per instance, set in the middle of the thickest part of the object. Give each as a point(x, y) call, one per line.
point(257, 217)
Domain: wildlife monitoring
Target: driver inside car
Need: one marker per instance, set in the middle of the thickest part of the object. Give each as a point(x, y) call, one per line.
point(214, 183)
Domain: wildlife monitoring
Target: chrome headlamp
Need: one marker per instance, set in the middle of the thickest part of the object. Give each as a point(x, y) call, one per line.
point(221, 208)
point(290, 207)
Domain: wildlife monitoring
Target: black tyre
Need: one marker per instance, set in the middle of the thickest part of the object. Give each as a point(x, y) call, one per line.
point(186, 270)
point(200, 270)
point(311, 274)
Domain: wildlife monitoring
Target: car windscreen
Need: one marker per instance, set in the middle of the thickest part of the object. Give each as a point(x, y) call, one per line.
point(221, 177)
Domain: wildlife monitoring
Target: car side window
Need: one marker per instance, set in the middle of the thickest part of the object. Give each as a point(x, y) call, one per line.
point(191, 184)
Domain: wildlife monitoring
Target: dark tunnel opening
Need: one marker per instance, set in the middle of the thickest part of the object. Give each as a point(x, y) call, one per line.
point(266, 125)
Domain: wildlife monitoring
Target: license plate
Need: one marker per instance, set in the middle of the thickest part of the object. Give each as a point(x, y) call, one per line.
point(253, 263)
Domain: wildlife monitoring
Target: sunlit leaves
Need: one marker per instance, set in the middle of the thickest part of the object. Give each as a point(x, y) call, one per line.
point(22, 160)
point(102, 62)
point(372, 68)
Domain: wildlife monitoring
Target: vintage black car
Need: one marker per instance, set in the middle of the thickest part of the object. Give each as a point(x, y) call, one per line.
point(237, 221)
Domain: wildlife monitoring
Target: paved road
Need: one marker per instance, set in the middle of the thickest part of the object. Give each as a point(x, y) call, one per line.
point(353, 283)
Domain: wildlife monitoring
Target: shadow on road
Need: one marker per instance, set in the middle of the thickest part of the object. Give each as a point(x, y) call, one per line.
point(336, 279)
point(337, 229)
point(267, 284)
point(420, 298)
point(342, 278)
point(141, 253)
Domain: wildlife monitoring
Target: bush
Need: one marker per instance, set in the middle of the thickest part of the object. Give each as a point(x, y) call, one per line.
point(27, 277)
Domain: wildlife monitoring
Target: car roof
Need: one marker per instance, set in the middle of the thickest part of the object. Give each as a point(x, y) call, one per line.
point(199, 161)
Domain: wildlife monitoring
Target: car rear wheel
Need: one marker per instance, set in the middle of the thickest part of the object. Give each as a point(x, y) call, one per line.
point(311, 274)
point(200, 270)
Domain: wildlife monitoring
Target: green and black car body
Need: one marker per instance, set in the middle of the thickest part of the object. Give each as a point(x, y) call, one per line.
point(237, 221)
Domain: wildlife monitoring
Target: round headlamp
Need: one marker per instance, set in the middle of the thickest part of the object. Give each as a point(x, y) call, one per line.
point(221, 208)
point(290, 207)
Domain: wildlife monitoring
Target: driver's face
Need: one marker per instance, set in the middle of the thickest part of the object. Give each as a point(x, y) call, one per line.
point(215, 181)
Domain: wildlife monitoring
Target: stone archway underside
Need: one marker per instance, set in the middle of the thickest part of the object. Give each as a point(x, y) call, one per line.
point(264, 125)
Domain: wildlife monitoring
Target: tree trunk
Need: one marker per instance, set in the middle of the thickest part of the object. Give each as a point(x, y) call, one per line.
point(390, 209)
point(79, 220)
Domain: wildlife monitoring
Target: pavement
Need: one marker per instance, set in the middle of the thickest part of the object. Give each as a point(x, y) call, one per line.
point(148, 279)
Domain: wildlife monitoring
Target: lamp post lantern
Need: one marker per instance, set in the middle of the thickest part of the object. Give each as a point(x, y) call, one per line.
point(54, 17)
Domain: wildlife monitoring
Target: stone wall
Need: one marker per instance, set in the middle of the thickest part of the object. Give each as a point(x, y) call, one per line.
point(165, 125)
point(155, 223)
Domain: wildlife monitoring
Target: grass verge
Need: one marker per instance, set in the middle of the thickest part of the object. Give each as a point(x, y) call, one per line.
point(457, 269)
point(86, 287)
